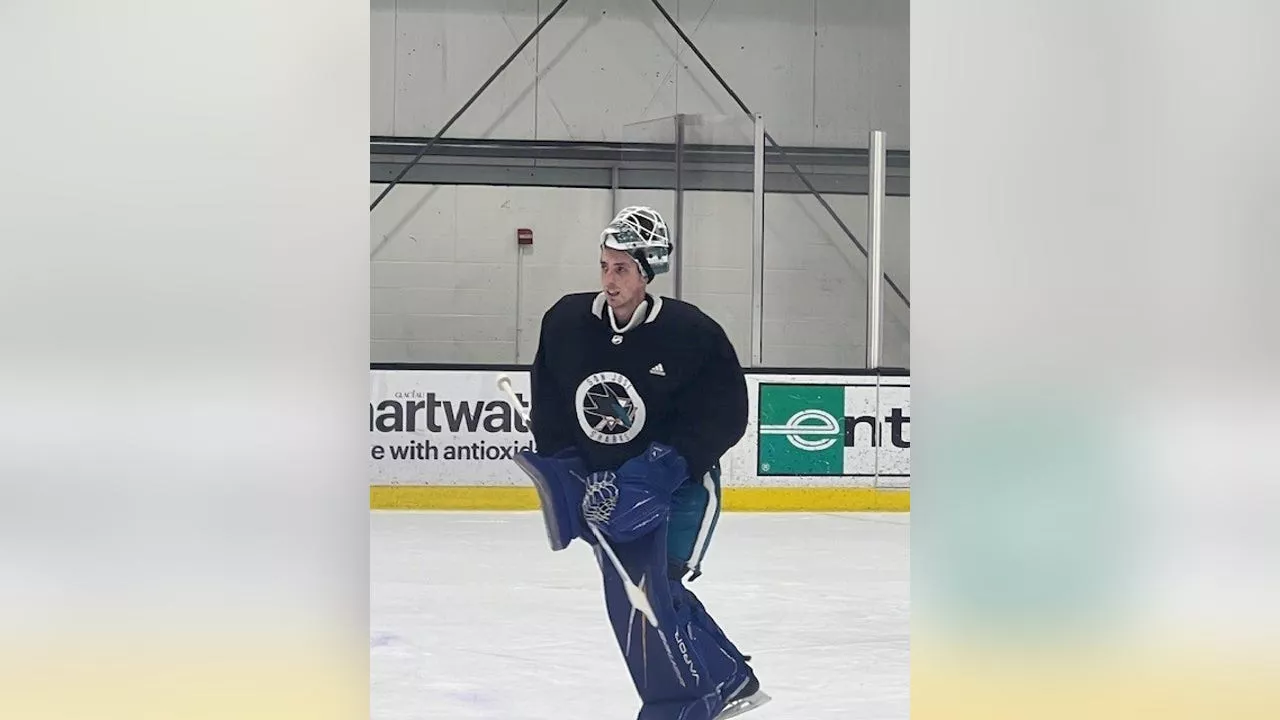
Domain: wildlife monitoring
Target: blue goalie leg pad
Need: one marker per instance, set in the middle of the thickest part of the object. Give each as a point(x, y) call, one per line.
point(729, 664)
point(679, 668)
point(560, 485)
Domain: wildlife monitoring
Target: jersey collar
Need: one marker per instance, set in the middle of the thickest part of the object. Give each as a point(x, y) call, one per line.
point(647, 312)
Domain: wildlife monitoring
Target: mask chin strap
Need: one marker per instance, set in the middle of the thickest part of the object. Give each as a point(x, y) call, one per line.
point(643, 262)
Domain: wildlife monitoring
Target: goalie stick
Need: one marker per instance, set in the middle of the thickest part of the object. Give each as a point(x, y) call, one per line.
point(636, 596)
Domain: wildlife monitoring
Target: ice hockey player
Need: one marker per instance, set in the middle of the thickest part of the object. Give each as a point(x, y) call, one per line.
point(635, 400)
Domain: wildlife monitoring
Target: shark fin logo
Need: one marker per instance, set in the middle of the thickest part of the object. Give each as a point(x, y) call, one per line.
point(610, 411)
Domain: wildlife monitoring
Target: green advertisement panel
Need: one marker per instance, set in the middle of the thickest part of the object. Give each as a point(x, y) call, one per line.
point(801, 429)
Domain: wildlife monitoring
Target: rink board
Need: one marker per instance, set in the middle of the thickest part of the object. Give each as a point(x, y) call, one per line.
point(443, 438)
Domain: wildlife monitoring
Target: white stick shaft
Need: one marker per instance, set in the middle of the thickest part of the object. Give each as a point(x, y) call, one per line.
point(635, 595)
point(504, 384)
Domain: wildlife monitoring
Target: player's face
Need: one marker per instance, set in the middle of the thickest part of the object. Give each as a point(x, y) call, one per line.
point(621, 281)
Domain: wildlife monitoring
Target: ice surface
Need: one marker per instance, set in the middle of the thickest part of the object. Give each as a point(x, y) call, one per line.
point(473, 616)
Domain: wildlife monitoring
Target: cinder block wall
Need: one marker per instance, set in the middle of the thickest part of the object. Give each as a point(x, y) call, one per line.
point(450, 284)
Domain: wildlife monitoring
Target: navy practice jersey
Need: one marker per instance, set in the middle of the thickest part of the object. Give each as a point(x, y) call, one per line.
point(670, 375)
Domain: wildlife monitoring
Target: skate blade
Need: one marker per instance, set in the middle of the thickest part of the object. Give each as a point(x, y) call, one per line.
point(743, 705)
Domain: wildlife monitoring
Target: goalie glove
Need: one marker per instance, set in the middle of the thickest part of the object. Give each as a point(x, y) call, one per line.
point(632, 502)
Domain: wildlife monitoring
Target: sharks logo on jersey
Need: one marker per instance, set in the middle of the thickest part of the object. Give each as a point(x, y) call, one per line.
point(610, 411)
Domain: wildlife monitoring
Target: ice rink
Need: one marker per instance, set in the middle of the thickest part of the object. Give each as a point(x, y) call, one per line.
point(473, 616)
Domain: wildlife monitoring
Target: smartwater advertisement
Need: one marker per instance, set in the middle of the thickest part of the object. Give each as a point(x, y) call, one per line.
point(446, 427)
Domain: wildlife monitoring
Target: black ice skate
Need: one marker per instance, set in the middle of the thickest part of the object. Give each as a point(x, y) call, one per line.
point(746, 698)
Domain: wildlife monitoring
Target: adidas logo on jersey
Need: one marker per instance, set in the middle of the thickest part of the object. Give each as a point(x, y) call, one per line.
point(658, 370)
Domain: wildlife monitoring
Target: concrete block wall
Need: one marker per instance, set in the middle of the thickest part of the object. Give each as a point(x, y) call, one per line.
point(815, 290)
point(822, 72)
point(449, 284)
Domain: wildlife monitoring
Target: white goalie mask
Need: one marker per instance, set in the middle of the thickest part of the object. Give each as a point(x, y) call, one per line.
point(641, 233)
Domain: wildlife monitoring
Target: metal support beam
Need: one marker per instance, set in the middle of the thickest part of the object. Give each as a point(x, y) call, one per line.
point(475, 96)
point(640, 166)
point(628, 151)
point(778, 148)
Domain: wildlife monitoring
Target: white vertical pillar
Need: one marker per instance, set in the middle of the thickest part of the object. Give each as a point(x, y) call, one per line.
point(613, 192)
point(757, 244)
point(875, 270)
point(520, 250)
point(677, 264)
